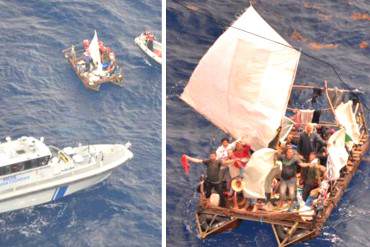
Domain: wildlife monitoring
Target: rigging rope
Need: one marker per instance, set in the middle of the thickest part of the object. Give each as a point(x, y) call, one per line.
point(354, 91)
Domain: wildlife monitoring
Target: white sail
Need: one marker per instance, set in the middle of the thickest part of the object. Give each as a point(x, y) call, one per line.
point(256, 172)
point(243, 83)
point(287, 125)
point(346, 117)
point(94, 51)
point(338, 155)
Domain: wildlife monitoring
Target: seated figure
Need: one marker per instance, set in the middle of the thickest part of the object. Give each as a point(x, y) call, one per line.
point(149, 38)
point(318, 195)
point(112, 62)
point(312, 175)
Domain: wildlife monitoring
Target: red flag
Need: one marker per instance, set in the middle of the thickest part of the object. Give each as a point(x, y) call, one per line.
point(185, 164)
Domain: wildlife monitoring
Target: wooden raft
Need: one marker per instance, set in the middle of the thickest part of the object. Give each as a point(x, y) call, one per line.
point(288, 227)
point(116, 78)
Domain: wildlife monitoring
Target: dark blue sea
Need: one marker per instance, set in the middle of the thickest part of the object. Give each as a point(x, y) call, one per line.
point(337, 32)
point(40, 95)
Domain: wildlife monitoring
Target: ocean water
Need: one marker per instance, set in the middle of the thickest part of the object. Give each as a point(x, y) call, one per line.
point(335, 31)
point(40, 95)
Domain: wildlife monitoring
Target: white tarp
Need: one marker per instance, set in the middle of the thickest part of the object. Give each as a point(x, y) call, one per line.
point(94, 51)
point(346, 117)
point(286, 126)
point(255, 173)
point(338, 154)
point(243, 83)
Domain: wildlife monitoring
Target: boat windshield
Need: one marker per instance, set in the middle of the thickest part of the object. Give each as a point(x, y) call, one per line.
point(54, 151)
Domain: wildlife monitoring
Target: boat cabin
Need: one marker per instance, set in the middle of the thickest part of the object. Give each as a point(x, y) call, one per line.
point(22, 154)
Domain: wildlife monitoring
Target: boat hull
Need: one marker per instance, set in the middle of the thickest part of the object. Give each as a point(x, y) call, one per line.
point(50, 194)
point(141, 43)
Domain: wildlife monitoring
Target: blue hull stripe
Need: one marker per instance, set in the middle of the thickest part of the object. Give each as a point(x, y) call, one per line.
point(59, 192)
point(52, 198)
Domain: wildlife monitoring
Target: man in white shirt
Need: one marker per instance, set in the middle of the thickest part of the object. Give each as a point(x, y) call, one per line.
point(222, 151)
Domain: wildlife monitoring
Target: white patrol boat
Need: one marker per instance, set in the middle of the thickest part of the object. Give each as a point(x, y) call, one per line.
point(33, 173)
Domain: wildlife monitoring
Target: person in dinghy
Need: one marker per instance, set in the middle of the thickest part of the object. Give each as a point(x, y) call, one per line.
point(148, 43)
point(149, 39)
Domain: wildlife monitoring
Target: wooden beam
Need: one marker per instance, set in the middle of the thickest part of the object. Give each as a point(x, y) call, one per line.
point(197, 221)
point(264, 219)
point(276, 235)
point(303, 87)
point(329, 100)
point(289, 234)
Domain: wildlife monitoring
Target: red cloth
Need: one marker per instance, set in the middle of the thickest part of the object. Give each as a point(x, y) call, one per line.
point(185, 164)
point(149, 37)
point(158, 53)
point(241, 154)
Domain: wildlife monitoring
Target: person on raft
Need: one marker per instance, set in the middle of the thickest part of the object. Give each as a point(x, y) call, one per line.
point(309, 141)
point(214, 176)
point(108, 58)
point(238, 158)
point(89, 63)
point(104, 55)
point(288, 178)
point(222, 151)
point(312, 175)
point(301, 161)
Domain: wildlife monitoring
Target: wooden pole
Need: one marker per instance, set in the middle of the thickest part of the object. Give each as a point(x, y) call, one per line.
point(329, 100)
point(296, 109)
point(290, 232)
point(276, 235)
point(235, 200)
point(356, 108)
point(201, 235)
point(302, 87)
